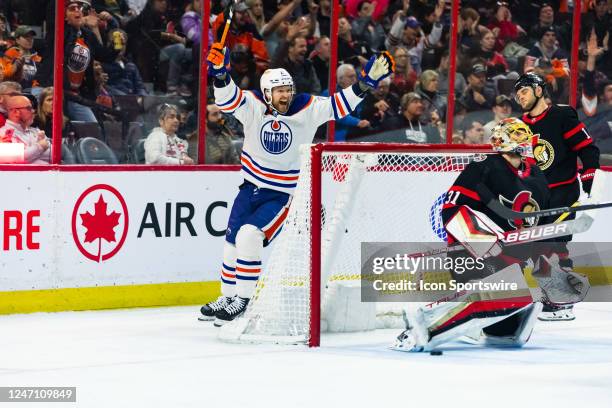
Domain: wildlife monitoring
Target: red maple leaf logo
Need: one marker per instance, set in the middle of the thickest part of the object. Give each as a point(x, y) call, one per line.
point(100, 225)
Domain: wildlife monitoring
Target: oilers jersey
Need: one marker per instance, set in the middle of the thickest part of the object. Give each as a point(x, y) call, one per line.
point(270, 153)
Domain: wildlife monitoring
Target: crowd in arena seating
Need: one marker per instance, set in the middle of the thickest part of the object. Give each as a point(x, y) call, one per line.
point(131, 75)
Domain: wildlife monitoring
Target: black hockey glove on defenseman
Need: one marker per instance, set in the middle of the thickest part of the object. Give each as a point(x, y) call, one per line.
point(586, 178)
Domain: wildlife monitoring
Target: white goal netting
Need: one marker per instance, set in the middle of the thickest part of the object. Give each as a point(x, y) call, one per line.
point(366, 196)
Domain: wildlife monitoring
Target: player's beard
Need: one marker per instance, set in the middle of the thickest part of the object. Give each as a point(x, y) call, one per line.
point(531, 105)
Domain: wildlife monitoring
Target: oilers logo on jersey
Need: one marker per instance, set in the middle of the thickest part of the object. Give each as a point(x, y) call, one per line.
point(276, 137)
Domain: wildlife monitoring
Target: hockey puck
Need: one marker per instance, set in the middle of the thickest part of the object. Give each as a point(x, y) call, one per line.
point(435, 352)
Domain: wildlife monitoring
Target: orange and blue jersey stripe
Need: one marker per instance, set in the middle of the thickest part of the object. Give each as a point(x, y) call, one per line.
point(234, 102)
point(228, 274)
point(266, 175)
point(272, 229)
point(247, 270)
point(340, 105)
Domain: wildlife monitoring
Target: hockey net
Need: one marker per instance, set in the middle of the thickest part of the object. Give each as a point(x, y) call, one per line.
point(347, 194)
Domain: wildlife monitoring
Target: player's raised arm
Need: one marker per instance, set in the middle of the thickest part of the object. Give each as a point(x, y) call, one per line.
point(343, 102)
point(228, 97)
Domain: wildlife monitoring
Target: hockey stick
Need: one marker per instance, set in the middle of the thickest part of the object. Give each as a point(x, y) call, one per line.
point(523, 236)
point(228, 22)
point(509, 214)
point(566, 214)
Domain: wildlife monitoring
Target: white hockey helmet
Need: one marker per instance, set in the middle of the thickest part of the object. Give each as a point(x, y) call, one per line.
point(512, 135)
point(272, 78)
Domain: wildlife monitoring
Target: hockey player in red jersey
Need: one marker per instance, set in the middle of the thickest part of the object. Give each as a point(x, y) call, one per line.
point(562, 140)
point(503, 318)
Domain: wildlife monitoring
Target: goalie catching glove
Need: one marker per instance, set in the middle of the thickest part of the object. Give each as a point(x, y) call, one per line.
point(218, 60)
point(378, 68)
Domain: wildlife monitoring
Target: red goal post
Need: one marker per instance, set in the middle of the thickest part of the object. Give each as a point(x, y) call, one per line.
point(347, 194)
point(316, 154)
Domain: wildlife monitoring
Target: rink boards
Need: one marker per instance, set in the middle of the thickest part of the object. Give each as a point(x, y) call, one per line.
point(79, 240)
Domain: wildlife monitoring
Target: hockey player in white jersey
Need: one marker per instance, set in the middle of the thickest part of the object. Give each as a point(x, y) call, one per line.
point(276, 122)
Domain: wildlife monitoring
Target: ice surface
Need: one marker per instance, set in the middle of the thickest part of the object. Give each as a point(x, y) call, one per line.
point(164, 357)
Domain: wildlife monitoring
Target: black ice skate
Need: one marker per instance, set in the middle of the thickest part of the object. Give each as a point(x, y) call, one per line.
point(553, 313)
point(233, 310)
point(210, 310)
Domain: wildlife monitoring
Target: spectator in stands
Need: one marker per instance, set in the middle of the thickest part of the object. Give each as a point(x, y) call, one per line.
point(162, 146)
point(551, 62)
point(320, 60)
point(501, 110)
point(366, 29)
point(546, 18)
point(7, 89)
point(271, 31)
point(123, 75)
point(596, 98)
point(153, 40)
point(495, 62)
point(505, 30)
point(600, 19)
point(219, 138)
point(407, 31)
point(191, 23)
point(119, 9)
point(44, 113)
point(478, 96)
point(351, 124)
point(103, 95)
point(380, 105)
point(244, 32)
point(408, 127)
point(291, 55)
point(243, 70)
point(434, 103)
point(473, 133)
point(81, 48)
point(443, 79)
point(20, 63)
point(324, 17)
point(546, 54)
point(351, 8)
point(18, 129)
point(404, 78)
point(5, 34)
point(469, 29)
point(351, 50)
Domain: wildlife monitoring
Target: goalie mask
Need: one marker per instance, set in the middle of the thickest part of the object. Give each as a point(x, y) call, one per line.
point(273, 78)
point(512, 135)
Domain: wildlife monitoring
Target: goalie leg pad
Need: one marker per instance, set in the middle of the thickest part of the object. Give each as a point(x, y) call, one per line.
point(476, 232)
point(441, 322)
point(249, 246)
point(514, 331)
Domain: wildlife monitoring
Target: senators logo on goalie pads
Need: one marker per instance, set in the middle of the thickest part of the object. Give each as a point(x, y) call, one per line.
point(524, 189)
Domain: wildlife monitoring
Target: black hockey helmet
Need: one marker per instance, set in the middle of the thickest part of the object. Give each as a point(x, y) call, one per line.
point(530, 79)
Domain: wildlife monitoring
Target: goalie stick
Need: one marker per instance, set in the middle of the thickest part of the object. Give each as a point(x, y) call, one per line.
point(509, 214)
point(524, 235)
